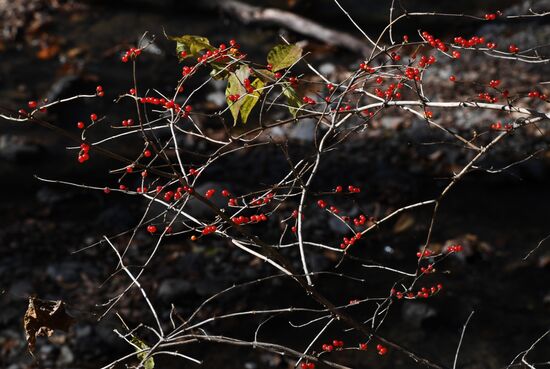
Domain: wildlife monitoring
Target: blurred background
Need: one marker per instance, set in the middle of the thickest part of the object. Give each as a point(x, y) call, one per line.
point(57, 48)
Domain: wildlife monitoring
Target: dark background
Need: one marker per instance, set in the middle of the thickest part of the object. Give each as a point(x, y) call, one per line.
point(61, 49)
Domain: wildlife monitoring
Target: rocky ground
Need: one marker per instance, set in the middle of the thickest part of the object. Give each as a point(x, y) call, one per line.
point(70, 46)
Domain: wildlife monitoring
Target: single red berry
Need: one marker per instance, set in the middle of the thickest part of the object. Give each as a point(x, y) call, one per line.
point(452, 78)
point(147, 153)
point(93, 117)
point(513, 48)
point(151, 228)
point(106, 190)
point(80, 125)
point(32, 104)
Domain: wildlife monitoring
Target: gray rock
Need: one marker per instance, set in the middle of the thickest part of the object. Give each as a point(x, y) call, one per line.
point(415, 313)
point(303, 131)
point(217, 98)
point(171, 289)
point(14, 148)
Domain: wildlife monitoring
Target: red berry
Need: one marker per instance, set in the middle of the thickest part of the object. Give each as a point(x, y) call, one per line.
point(147, 153)
point(93, 117)
point(80, 125)
point(151, 228)
point(513, 48)
point(32, 104)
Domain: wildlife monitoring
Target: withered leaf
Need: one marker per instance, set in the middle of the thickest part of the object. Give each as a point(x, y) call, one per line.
point(404, 222)
point(42, 318)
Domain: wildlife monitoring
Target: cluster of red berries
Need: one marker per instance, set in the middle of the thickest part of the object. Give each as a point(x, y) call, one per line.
point(334, 209)
point(248, 86)
point(209, 229)
point(382, 350)
point(497, 126)
point(494, 83)
point(360, 220)
point(153, 229)
point(234, 98)
point(536, 94)
point(322, 204)
point(132, 53)
point(168, 104)
point(350, 241)
point(210, 193)
point(390, 92)
point(513, 49)
point(128, 122)
point(142, 189)
point(367, 113)
point(424, 254)
point(366, 68)
point(307, 365)
point(169, 195)
point(327, 347)
point(252, 219)
point(99, 91)
point(413, 73)
point(341, 109)
point(492, 16)
point(434, 42)
point(453, 248)
point(395, 56)
point(485, 96)
point(473, 41)
point(427, 270)
point(217, 55)
point(83, 155)
point(353, 189)
point(265, 200)
point(424, 292)
point(308, 100)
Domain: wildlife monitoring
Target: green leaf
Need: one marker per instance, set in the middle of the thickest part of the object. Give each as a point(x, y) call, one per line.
point(150, 362)
point(219, 71)
point(192, 45)
point(251, 99)
point(235, 86)
point(292, 99)
point(283, 56)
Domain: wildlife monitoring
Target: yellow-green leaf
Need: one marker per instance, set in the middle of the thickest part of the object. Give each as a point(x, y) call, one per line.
point(293, 101)
point(251, 99)
point(140, 346)
point(283, 56)
point(265, 75)
point(235, 86)
point(192, 45)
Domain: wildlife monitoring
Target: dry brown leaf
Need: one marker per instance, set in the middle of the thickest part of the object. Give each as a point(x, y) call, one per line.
point(42, 318)
point(404, 222)
point(48, 52)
